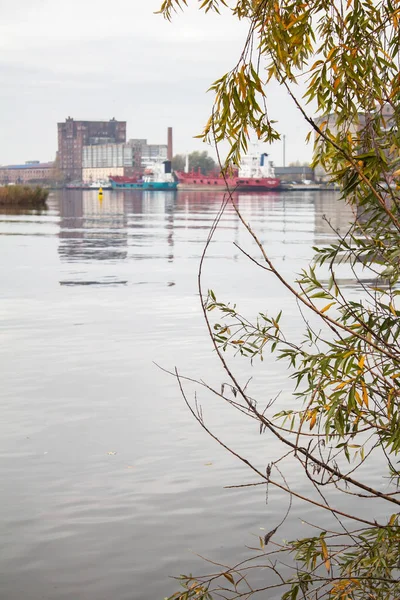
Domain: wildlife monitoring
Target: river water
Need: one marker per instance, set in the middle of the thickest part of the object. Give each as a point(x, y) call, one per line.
point(109, 486)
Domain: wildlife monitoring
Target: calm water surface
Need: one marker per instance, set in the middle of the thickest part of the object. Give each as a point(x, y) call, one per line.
point(108, 484)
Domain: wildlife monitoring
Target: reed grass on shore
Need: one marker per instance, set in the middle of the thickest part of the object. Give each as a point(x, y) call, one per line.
point(23, 195)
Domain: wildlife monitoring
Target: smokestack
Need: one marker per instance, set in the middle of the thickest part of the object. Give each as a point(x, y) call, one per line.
point(169, 150)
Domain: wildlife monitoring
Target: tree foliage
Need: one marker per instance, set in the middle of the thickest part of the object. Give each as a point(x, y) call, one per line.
point(197, 160)
point(178, 162)
point(346, 371)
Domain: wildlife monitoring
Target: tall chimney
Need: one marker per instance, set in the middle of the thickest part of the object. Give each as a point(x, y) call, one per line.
point(169, 150)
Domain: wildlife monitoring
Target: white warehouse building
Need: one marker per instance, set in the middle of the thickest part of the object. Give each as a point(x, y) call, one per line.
point(101, 161)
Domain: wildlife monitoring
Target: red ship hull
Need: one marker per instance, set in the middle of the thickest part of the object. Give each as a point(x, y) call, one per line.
point(235, 183)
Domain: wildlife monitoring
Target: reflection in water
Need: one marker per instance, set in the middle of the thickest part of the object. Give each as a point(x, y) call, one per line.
point(17, 210)
point(104, 230)
point(126, 222)
point(332, 214)
point(110, 282)
point(99, 458)
point(92, 229)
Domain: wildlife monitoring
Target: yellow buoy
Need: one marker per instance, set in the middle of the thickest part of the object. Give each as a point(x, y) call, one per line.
point(100, 196)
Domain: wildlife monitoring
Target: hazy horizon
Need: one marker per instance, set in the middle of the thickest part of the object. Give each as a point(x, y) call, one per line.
point(83, 61)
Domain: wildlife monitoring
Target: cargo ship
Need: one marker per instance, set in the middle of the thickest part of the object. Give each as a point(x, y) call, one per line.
point(157, 176)
point(256, 173)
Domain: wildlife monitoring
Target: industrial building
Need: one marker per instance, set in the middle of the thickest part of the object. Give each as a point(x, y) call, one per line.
point(99, 162)
point(357, 128)
point(150, 152)
point(74, 135)
point(90, 151)
point(31, 172)
point(295, 174)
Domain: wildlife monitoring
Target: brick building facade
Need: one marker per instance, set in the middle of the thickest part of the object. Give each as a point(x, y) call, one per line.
point(30, 172)
point(74, 135)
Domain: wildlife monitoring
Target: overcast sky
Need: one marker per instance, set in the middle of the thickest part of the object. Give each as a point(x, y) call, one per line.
point(98, 59)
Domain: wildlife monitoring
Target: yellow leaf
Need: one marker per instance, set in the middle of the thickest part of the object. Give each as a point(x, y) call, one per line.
point(313, 420)
point(314, 561)
point(331, 51)
point(361, 362)
point(293, 21)
point(324, 549)
point(336, 83)
point(316, 64)
point(325, 554)
point(392, 520)
point(364, 394)
point(341, 385)
point(389, 403)
point(392, 309)
point(242, 84)
point(389, 407)
point(229, 577)
point(271, 72)
point(358, 398)
point(327, 307)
